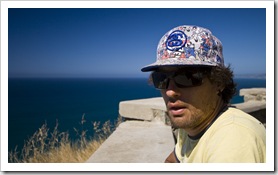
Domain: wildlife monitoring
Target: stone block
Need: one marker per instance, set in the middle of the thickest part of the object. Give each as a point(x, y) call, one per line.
point(251, 106)
point(143, 109)
point(253, 94)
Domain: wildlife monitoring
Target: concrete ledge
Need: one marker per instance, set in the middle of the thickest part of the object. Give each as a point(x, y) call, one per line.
point(143, 109)
point(136, 142)
point(253, 94)
point(251, 106)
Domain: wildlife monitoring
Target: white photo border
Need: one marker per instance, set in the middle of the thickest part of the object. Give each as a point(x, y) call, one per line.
point(268, 166)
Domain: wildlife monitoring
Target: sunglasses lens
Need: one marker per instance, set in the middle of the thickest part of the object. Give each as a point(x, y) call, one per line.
point(186, 79)
point(182, 79)
point(160, 80)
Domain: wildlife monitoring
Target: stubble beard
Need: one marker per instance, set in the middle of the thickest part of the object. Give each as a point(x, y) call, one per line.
point(189, 120)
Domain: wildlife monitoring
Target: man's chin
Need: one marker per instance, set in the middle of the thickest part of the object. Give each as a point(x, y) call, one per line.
point(178, 121)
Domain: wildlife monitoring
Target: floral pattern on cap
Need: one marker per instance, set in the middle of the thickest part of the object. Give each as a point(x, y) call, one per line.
point(188, 45)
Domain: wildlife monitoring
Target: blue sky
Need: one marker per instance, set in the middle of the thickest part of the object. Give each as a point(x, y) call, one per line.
point(118, 42)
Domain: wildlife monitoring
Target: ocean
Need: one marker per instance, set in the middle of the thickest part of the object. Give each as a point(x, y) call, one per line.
point(33, 102)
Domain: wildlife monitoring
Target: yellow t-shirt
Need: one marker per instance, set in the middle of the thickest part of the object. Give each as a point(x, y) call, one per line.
point(234, 137)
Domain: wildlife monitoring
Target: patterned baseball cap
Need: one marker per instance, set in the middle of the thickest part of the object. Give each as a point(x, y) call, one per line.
point(188, 46)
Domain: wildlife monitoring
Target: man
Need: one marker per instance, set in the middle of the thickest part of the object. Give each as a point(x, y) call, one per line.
point(197, 87)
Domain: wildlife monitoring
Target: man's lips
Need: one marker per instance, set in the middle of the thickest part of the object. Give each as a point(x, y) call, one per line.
point(176, 109)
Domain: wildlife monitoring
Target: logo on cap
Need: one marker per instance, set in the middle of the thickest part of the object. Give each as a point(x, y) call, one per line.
point(176, 40)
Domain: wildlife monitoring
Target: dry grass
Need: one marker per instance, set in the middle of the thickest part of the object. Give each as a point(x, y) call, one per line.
point(57, 147)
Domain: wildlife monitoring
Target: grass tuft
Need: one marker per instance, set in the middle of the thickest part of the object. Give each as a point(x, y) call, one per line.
point(57, 147)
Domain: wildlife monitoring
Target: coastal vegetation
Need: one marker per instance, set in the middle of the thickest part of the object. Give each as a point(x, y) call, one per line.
point(58, 147)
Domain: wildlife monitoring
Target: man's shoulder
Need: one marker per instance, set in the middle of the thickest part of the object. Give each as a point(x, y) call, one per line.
point(236, 118)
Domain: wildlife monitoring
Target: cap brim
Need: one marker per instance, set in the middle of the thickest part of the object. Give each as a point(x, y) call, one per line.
point(154, 66)
point(150, 67)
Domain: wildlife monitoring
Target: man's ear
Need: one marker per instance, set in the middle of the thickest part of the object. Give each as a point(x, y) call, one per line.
point(220, 89)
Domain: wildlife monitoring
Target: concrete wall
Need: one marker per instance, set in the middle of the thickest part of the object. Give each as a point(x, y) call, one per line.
point(146, 135)
point(254, 103)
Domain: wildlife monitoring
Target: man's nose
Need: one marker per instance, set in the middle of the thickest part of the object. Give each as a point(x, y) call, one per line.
point(172, 90)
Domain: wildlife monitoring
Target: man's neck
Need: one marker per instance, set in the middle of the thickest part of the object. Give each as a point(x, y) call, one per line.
point(197, 132)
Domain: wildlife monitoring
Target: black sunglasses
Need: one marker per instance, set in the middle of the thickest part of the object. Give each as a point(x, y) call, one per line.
point(182, 79)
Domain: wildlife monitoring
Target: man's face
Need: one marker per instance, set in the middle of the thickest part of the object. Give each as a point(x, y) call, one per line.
point(190, 108)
